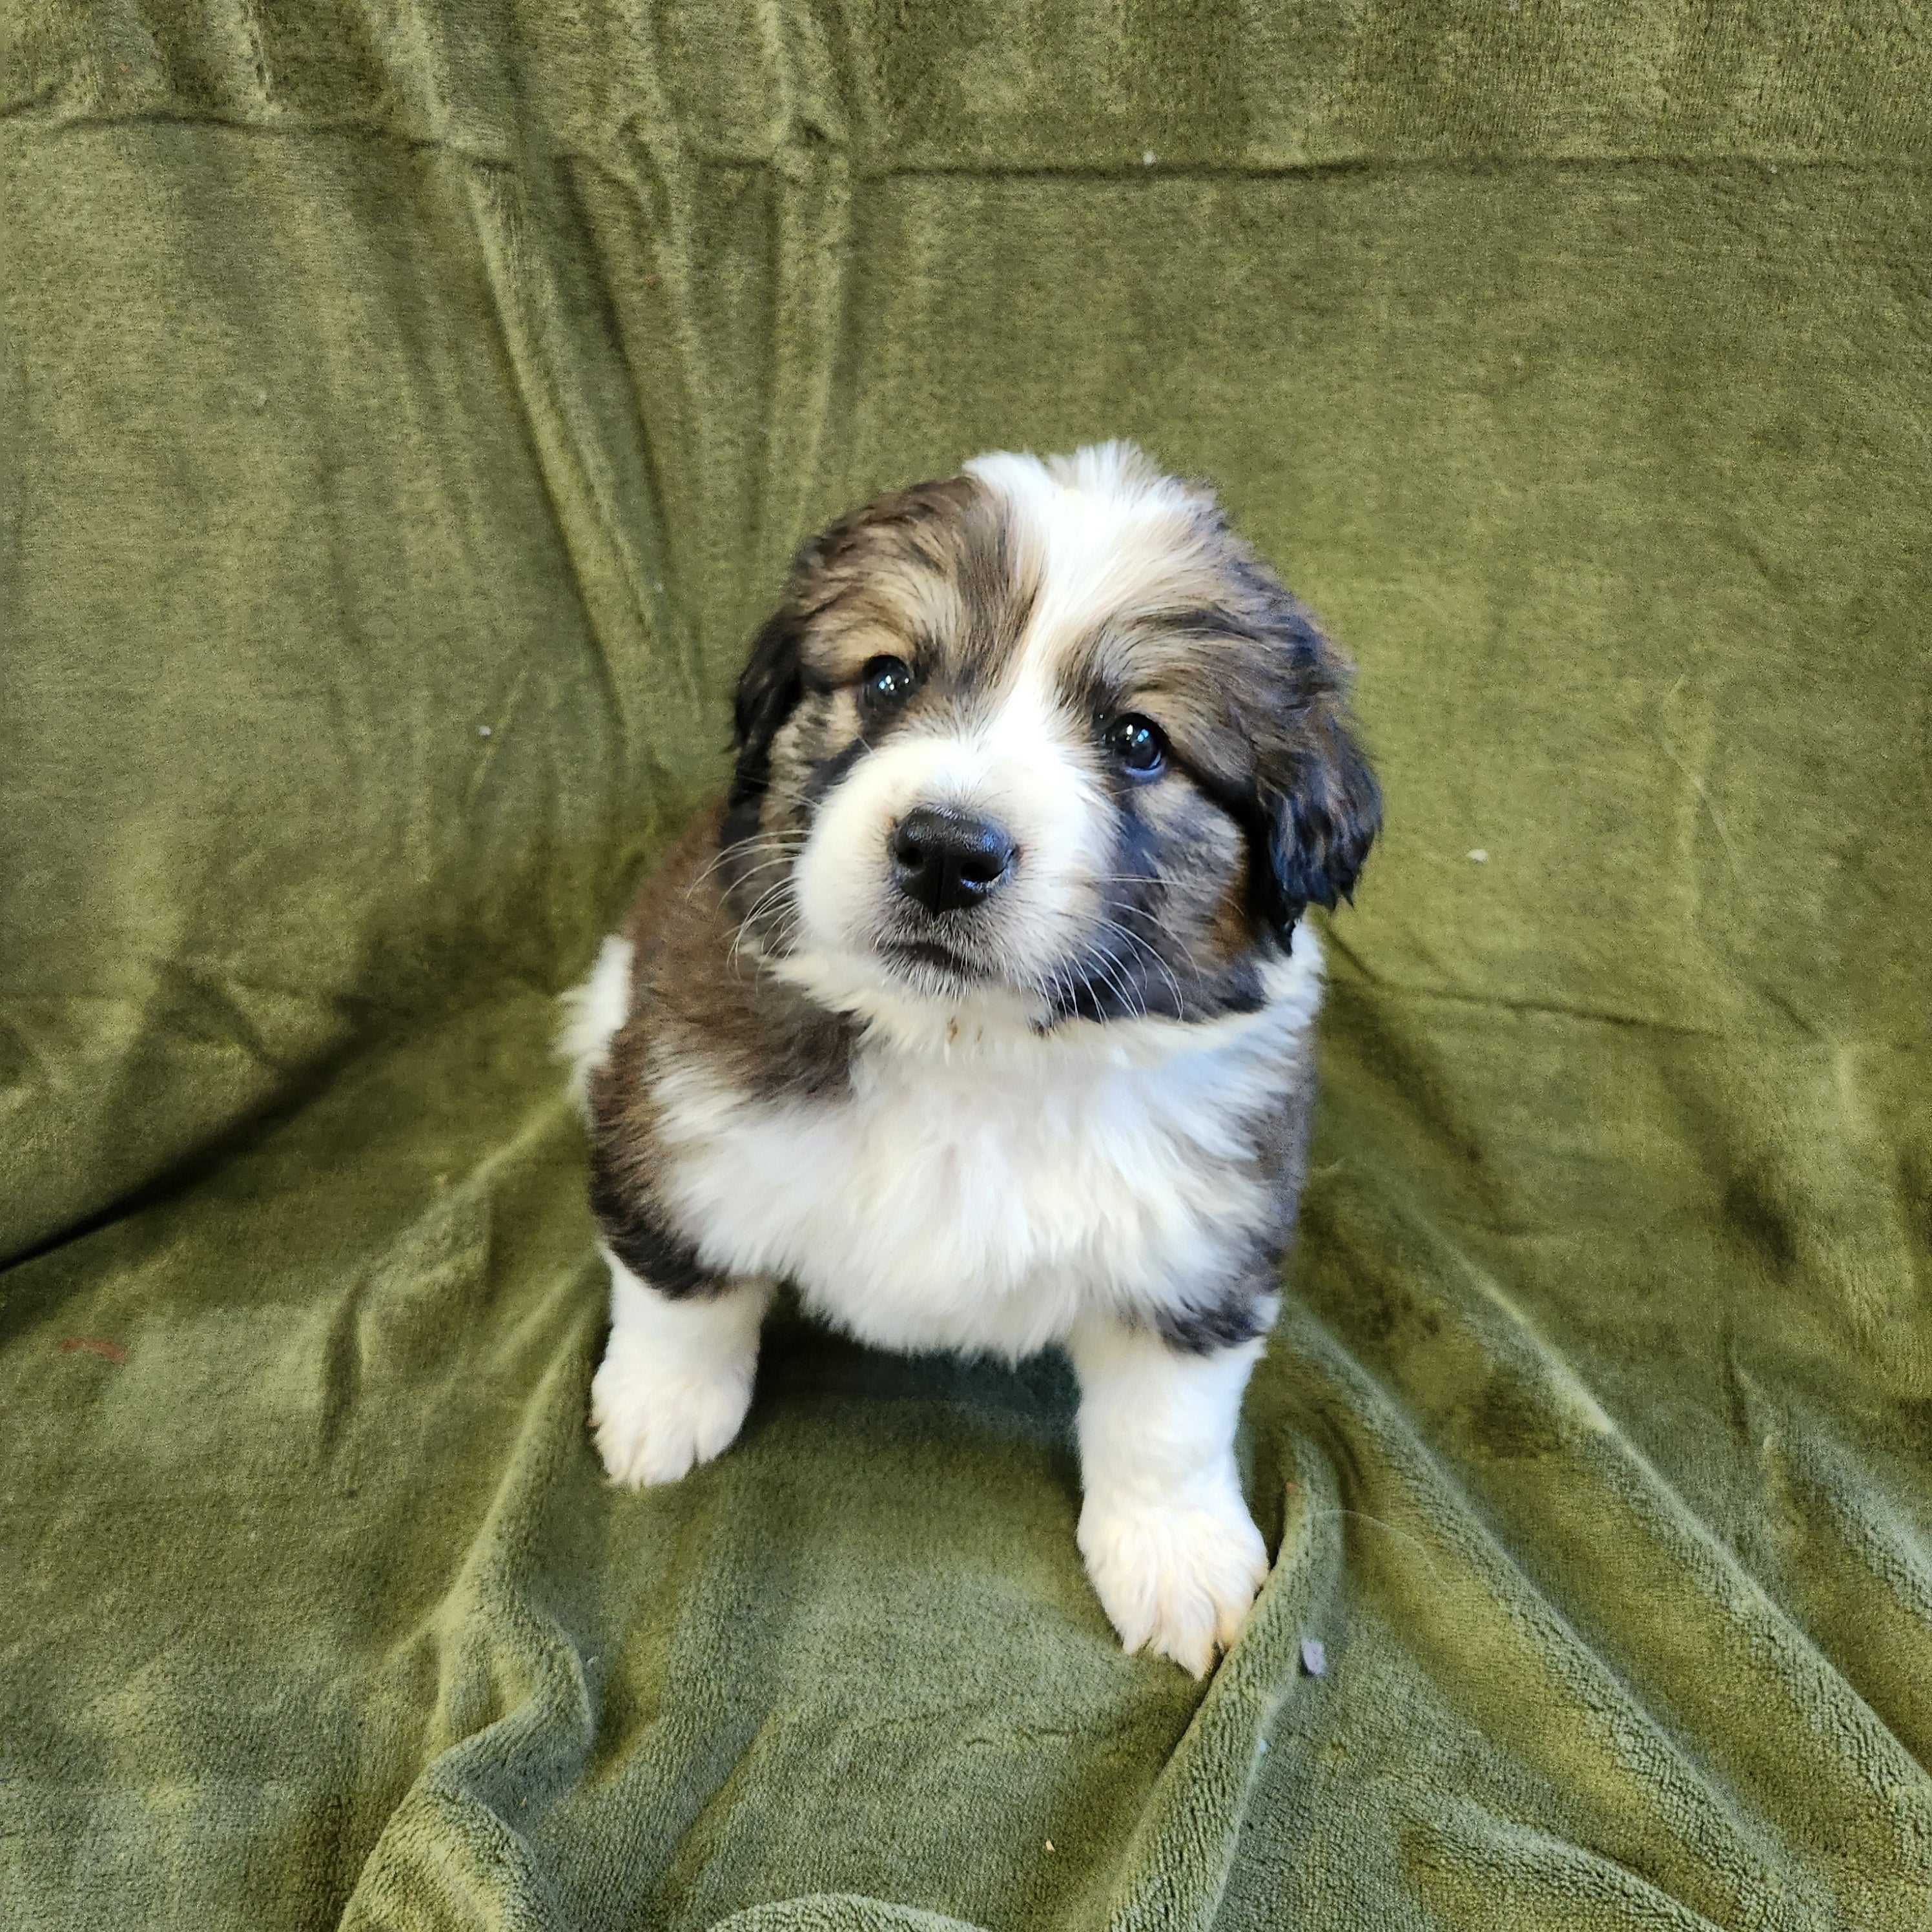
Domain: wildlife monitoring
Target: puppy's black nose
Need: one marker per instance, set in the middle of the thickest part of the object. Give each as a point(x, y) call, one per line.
point(946, 860)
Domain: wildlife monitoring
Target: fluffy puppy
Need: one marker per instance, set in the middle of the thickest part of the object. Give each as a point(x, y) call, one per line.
point(979, 1009)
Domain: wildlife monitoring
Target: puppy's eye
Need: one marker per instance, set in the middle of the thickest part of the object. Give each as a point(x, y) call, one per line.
point(885, 681)
point(1138, 745)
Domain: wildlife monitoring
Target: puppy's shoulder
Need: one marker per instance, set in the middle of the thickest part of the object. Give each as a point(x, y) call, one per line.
point(701, 998)
point(681, 899)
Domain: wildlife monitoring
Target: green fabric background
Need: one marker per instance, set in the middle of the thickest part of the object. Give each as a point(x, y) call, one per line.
point(373, 374)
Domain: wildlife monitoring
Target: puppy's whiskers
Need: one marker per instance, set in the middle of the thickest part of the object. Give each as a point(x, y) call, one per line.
point(1167, 971)
point(748, 926)
point(1094, 961)
point(780, 847)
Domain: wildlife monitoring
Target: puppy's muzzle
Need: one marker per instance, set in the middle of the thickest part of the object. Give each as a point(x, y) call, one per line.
point(949, 861)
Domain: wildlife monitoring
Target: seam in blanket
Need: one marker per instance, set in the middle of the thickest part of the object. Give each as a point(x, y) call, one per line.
point(1544, 1009)
point(1788, 162)
point(1552, 1010)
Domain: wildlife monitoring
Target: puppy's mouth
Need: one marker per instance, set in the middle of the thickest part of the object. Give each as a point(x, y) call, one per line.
point(920, 960)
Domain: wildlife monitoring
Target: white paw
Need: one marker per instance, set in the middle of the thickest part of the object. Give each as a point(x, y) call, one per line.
point(653, 1423)
point(1175, 1575)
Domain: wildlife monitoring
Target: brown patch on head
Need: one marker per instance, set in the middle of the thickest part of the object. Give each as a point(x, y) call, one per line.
point(930, 575)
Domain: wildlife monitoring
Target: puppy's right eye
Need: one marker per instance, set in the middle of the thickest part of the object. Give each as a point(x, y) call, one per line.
point(886, 682)
point(1139, 744)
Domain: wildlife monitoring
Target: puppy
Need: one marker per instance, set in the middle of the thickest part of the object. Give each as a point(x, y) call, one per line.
point(980, 1009)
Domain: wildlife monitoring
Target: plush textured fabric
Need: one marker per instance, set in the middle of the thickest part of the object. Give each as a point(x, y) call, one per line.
point(406, 412)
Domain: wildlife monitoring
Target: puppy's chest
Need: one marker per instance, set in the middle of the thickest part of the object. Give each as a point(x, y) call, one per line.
point(942, 1204)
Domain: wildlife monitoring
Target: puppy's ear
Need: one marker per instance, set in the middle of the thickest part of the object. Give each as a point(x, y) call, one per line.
point(769, 688)
point(1323, 809)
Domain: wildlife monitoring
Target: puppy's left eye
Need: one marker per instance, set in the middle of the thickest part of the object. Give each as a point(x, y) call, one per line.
point(885, 681)
point(1138, 744)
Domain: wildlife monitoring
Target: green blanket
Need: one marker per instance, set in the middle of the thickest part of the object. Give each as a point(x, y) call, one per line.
point(406, 412)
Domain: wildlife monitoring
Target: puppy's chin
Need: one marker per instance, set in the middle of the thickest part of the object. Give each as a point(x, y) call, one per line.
point(933, 968)
point(918, 1000)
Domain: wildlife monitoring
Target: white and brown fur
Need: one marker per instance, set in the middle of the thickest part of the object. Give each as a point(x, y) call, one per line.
point(1070, 1112)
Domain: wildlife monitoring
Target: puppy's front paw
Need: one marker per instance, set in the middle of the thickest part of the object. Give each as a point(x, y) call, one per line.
point(1174, 1576)
point(653, 1424)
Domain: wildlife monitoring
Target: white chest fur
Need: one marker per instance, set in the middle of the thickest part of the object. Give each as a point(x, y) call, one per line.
point(985, 1197)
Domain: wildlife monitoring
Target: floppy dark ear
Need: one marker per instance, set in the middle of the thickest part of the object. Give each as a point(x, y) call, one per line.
point(1322, 813)
point(768, 687)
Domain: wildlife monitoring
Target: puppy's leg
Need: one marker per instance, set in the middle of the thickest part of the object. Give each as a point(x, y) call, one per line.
point(1174, 1557)
point(675, 1379)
